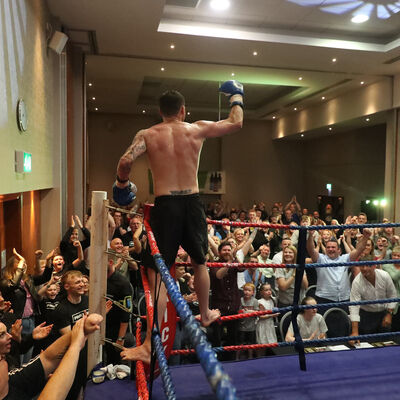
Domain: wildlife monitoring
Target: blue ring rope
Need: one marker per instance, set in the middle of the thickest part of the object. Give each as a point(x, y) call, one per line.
point(169, 388)
point(216, 376)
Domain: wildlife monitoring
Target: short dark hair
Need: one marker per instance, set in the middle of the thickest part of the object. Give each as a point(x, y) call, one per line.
point(223, 244)
point(170, 103)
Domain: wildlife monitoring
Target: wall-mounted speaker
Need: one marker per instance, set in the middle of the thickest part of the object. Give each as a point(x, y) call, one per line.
point(58, 41)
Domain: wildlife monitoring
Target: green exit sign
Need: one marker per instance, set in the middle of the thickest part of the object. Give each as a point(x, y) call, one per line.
point(23, 161)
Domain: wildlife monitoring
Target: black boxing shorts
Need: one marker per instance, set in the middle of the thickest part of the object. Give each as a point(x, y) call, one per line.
point(179, 220)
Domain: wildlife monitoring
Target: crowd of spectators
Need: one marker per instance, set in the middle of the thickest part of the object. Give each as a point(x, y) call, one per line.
point(42, 303)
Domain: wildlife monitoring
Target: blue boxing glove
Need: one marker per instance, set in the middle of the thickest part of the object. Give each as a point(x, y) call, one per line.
point(124, 196)
point(234, 90)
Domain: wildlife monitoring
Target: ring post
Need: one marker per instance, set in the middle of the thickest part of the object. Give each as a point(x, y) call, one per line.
point(98, 273)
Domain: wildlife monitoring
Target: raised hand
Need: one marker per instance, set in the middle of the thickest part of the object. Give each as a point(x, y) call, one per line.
point(42, 331)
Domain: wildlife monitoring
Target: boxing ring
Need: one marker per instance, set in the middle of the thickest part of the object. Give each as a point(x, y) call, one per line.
point(358, 373)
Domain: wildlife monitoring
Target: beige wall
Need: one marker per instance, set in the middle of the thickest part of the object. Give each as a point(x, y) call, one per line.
point(26, 71)
point(353, 162)
point(30, 71)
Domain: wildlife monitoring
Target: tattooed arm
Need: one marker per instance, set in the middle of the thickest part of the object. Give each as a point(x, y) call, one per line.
point(137, 148)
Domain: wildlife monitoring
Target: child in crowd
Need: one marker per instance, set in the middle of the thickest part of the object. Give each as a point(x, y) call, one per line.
point(247, 327)
point(265, 328)
point(311, 324)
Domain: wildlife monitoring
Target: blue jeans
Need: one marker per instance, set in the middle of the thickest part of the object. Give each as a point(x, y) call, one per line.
point(28, 325)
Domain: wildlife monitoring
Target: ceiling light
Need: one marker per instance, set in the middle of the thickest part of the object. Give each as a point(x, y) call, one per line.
point(188, 113)
point(300, 78)
point(295, 109)
point(220, 4)
point(360, 18)
point(367, 119)
point(362, 83)
point(232, 74)
point(172, 46)
point(255, 53)
point(323, 98)
point(93, 98)
point(96, 109)
point(143, 111)
point(330, 128)
point(334, 60)
point(90, 84)
point(273, 117)
point(162, 69)
point(302, 135)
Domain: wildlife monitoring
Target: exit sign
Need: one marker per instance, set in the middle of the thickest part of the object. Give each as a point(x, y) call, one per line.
point(23, 161)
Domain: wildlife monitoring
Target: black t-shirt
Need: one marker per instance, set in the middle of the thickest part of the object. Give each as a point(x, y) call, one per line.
point(67, 313)
point(119, 289)
point(26, 382)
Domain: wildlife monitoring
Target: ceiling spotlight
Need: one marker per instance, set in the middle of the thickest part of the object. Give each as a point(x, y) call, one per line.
point(367, 119)
point(360, 18)
point(330, 128)
point(295, 109)
point(96, 109)
point(302, 135)
point(220, 5)
point(232, 74)
point(362, 83)
point(162, 69)
point(334, 60)
point(143, 111)
point(172, 46)
point(255, 53)
point(300, 78)
point(273, 117)
point(323, 98)
point(93, 98)
point(90, 84)
point(188, 113)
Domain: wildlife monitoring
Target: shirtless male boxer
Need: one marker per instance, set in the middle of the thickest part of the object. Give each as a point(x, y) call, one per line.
point(177, 218)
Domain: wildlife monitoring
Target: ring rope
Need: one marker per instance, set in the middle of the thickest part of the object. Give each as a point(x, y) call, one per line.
point(169, 388)
point(311, 265)
point(141, 383)
point(307, 343)
point(299, 227)
point(122, 210)
point(218, 380)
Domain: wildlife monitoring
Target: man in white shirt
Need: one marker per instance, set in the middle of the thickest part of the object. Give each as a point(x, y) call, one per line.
point(371, 284)
point(333, 283)
point(277, 259)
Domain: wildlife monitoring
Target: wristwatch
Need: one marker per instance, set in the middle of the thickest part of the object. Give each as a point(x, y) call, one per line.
point(119, 339)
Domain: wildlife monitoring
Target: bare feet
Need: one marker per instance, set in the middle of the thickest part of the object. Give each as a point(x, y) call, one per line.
point(141, 353)
point(212, 315)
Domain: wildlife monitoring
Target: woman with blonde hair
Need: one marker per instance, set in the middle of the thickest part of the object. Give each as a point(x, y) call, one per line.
point(285, 278)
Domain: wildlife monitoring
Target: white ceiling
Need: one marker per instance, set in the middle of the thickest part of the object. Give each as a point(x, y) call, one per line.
point(128, 42)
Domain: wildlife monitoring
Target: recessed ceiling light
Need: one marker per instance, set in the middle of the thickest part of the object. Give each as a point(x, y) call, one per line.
point(330, 128)
point(323, 98)
point(274, 117)
point(172, 46)
point(220, 4)
point(360, 18)
point(367, 119)
point(255, 53)
point(300, 78)
point(90, 84)
point(162, 69)
point(96, 109)
point(295, 109)
point(93, 98)
point(143, 111)
point(362, 83)
point(188, 113)
point(232, 74)
point(334, 59)
point(302, 135)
